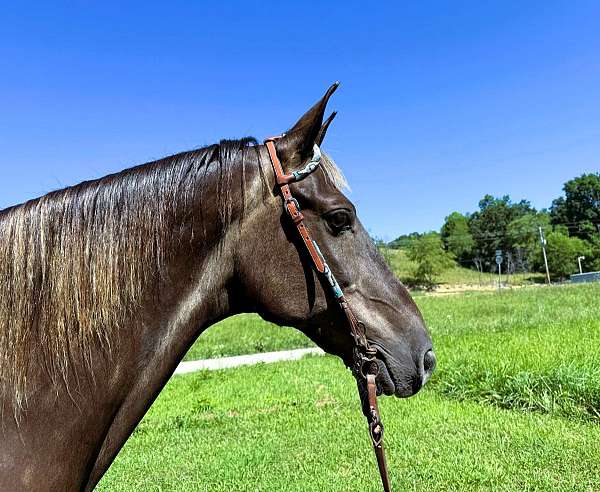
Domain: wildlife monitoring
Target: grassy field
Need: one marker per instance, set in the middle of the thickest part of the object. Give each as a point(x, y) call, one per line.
point(514, 405)
point(458, 275)
point(245, 334)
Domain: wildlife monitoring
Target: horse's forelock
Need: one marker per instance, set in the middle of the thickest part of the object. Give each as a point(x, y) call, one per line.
point(333, 173)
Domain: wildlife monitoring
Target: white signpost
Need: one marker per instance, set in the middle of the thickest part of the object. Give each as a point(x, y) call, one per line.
point(499, 263)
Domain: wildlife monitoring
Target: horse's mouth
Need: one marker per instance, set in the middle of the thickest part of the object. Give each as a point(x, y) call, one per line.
point(385, 383)
point(391, 382)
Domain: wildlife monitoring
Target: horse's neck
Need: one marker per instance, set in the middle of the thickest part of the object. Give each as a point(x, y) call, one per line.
point(166, 331)
point(78, 434)
point(194, 296)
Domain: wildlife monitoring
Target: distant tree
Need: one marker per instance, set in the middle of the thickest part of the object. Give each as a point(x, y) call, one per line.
point(384, 249)
point(403, 241)
point(592, 260)
point(579, 209)
point(490, 223)
point(457, 237)
point(523, 236)
point(562, 229)
point(428, 253)
point(562, 252)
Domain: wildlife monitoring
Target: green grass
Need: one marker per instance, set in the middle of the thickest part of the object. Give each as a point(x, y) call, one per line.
point(514, 405)
point(298, 428)
point(532, 349)
point(245, 334)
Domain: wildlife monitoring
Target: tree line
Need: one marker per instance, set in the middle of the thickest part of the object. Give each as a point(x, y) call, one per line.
point(570, 228)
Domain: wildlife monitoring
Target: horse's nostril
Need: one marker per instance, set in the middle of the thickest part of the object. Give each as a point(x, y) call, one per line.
point(428, 364)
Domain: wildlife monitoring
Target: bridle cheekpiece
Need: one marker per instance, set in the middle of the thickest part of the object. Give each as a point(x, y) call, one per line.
point(365, 367)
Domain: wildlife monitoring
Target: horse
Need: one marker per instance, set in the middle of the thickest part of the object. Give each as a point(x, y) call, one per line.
point(105, 285)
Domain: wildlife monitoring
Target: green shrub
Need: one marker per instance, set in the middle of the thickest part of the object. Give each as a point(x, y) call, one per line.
point(431, 259)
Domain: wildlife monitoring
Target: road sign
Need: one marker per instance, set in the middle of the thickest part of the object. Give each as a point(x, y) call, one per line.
point(498, 256)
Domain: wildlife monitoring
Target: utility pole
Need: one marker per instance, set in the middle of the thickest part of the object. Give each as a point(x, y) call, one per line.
point(543, 241)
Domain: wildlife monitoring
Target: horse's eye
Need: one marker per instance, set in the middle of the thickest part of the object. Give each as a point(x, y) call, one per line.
point(339, 220)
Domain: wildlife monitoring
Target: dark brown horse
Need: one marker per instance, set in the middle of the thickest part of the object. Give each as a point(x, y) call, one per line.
point(104, 286)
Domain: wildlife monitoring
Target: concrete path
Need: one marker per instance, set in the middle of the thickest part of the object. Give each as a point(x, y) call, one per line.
point(244, 360)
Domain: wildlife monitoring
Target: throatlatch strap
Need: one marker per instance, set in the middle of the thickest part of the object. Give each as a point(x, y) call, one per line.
point(293, 209)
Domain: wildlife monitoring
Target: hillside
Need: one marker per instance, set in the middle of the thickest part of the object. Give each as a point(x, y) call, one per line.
point(456, 277)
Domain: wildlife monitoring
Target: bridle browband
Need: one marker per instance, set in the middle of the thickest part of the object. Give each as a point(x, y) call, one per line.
point(365, 367)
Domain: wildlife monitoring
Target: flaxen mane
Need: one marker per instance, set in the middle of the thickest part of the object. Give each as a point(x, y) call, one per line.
point(74, 262)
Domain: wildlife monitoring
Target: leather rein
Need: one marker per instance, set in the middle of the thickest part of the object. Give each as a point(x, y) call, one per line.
point(365, 367)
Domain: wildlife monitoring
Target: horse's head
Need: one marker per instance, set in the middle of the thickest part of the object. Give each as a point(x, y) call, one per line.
point(278, 280)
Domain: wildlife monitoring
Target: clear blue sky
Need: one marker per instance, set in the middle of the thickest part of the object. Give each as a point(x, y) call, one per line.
point(440, 102)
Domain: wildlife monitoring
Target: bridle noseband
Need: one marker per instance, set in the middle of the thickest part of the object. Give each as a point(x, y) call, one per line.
point(365, 367)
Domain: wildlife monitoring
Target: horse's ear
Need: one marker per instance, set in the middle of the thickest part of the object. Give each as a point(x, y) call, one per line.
point(297, 144)
point(324, 127)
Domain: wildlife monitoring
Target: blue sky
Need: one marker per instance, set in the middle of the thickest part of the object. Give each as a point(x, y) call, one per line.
point(440, 102)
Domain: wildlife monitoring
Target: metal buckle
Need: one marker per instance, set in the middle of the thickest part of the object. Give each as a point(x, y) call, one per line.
point(294, 201)
point(297, 215)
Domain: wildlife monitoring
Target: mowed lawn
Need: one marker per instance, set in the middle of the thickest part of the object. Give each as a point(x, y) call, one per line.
point(514, 405)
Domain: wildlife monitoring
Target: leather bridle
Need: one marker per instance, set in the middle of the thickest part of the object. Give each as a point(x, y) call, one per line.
point(365, 367)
